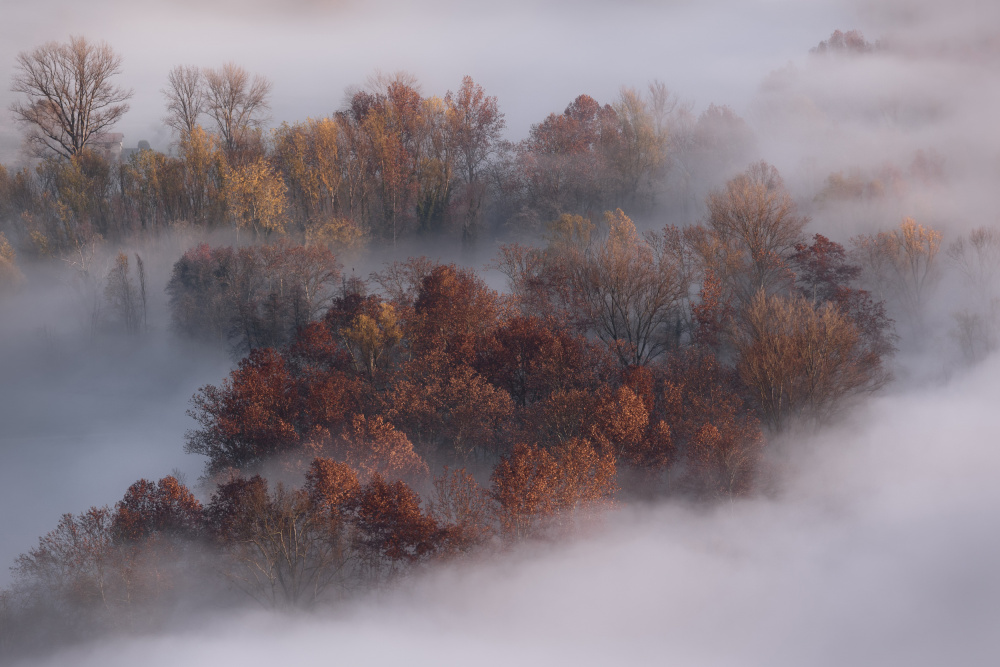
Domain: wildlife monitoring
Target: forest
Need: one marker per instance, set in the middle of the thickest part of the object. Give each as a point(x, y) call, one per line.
point(657, 308)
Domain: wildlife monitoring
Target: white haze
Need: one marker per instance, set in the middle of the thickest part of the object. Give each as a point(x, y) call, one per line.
point(83, 416)
point(536, 57)
point(880, 550)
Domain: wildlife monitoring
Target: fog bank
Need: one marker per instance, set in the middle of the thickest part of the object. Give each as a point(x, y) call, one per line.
point(880, 549)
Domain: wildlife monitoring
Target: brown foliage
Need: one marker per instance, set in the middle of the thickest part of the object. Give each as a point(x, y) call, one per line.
point(452, 310)
point(374, 447)
point(331, 486)
point(799, 360)
point(901, 265)
point(629, 293)
point(448, 409)
point(709, 424)
point(465, 510)
point(533, 485)
point(250, 417)
point(166, 507)
point(530, 358)
point(754, 230)
point(392, 526)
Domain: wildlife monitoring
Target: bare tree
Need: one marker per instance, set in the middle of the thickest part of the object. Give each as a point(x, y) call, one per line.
point(185, 98)
point(978, 258)
point(235, 102)
point(70, 95)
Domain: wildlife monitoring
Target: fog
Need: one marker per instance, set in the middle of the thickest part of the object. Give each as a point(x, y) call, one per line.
point(876, 541)
point(536, 57)
point(880, 549)
point(85, 414)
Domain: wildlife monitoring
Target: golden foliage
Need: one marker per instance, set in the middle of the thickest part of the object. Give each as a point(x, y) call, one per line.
point(800, 360)
point(371, 338)
point(10, 275)
point(901, 263)
point(337, 234)
point(255, 196)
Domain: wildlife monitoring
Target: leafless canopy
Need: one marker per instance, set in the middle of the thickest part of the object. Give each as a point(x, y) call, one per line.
point(185, 98)
point(70, 95)
point(235, 102)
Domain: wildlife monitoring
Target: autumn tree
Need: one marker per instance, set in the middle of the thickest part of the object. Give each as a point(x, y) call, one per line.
point(530, 358)
point(639, 155)
point(475, 125)
point(533, 486)
point(452, 308)
point(204, 169)
point(166, 507)
point(394, 531)
point(236, 102)
point(372, 336)
point(82, 577)
point(374, 447)
point(713, 432)
point(540, 279)
point(255, 198)
point(80, 188)
point(448, 409)
point(199, 303)
point(384, 130)
point(151, 187)
point(803, 361)
point(629, 293)
point(314, 163)
point(70, 94)
point(283, 550)
point(465, 510)
point(249, 417)
point(824, 275)
point(901, 265)
point(564, 159)
point(254, 296)
point(754, 229)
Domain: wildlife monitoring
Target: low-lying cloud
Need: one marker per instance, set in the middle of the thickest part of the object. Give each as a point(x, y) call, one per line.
point(879, 549)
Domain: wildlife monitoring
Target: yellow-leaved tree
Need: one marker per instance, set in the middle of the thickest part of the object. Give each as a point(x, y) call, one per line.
point(255, 197)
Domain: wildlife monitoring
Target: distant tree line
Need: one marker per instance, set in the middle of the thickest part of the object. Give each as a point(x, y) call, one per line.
point(391, 164)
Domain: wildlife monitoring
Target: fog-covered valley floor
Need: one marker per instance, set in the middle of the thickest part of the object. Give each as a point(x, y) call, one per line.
point(880, 548)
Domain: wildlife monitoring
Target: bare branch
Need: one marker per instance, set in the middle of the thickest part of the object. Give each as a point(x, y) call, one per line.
point(70, 97)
